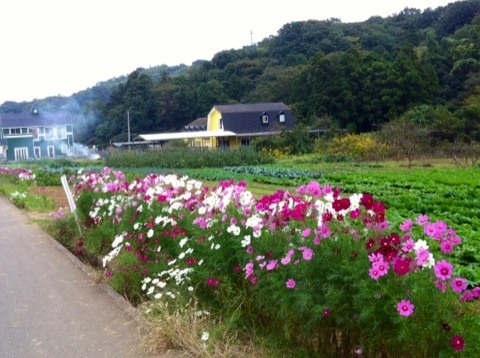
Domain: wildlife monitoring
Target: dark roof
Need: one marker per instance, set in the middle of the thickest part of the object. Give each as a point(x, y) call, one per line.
point(199, 124)
point(247, 118)
point(10, 120)
point(252, 107)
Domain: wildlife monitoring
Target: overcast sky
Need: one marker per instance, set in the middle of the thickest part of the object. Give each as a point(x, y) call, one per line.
point(59, 47)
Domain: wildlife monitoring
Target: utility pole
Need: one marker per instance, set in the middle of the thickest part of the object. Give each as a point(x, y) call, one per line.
point(128, 125)
point(251, 37)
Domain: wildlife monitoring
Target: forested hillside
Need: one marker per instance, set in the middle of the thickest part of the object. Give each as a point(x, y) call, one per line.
point(354, 76)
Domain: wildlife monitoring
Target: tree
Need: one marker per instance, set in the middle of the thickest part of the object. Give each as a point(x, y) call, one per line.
point(404, 137)
point(134, 99)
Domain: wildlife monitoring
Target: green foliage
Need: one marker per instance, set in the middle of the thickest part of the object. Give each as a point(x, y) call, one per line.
point(180, 158)
point(291, 174)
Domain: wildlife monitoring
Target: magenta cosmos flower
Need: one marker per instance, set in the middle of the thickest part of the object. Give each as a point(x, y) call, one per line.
point(459, 284)
point(405, 308)
point(290, 283)
point(457, 342)
point(443, 270)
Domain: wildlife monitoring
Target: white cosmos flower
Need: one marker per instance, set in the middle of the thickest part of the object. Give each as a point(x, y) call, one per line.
point(420, 244)
point(205, 336)
point(246, 241)
point(234, 229)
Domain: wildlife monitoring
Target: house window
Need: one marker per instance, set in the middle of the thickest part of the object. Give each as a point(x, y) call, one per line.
point(61, 133)
point(64, 148)
point(15, 130)
point(264, 118)
point(281, 117)
point(51, 151)
point(34, 132)
point(49, 133)
point(221, 124)
point(245, 142)
point(37, 152)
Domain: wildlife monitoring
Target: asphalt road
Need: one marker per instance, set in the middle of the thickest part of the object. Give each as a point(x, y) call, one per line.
point(50, 306)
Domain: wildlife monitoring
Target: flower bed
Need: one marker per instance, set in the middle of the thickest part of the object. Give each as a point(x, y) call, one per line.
point(325, 272)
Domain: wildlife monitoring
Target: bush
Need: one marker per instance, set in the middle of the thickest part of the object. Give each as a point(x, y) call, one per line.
point(358, 146)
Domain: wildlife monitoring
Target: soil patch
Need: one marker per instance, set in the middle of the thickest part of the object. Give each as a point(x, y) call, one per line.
point(54, 192)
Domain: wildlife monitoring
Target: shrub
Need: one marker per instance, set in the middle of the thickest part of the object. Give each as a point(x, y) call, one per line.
point(359, 146)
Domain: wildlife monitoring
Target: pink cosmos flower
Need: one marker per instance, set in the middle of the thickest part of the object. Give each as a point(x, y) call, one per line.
point(441, 226)
point(248, 269)
point(476, 292)
point(441, 285)
point(306, 232)
point(456, 240)
point(422, 219)
point(290, 283)
point(382, 267)
point(459, 284)
point(430, 230)
point(405, 308)
point(406, 225)
point(272, 264)
point(382, 226)
point(446, 246)
point(286, 260)
point(307, 254)
point(408, 245)
point(467, 296)
point(323, 231)
point(375, 257)
point(443, 270)
point(374, 273)
point(422, 256)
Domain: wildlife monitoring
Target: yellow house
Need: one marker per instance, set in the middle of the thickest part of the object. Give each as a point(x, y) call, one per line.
point(248, 121)
point(231, 126)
